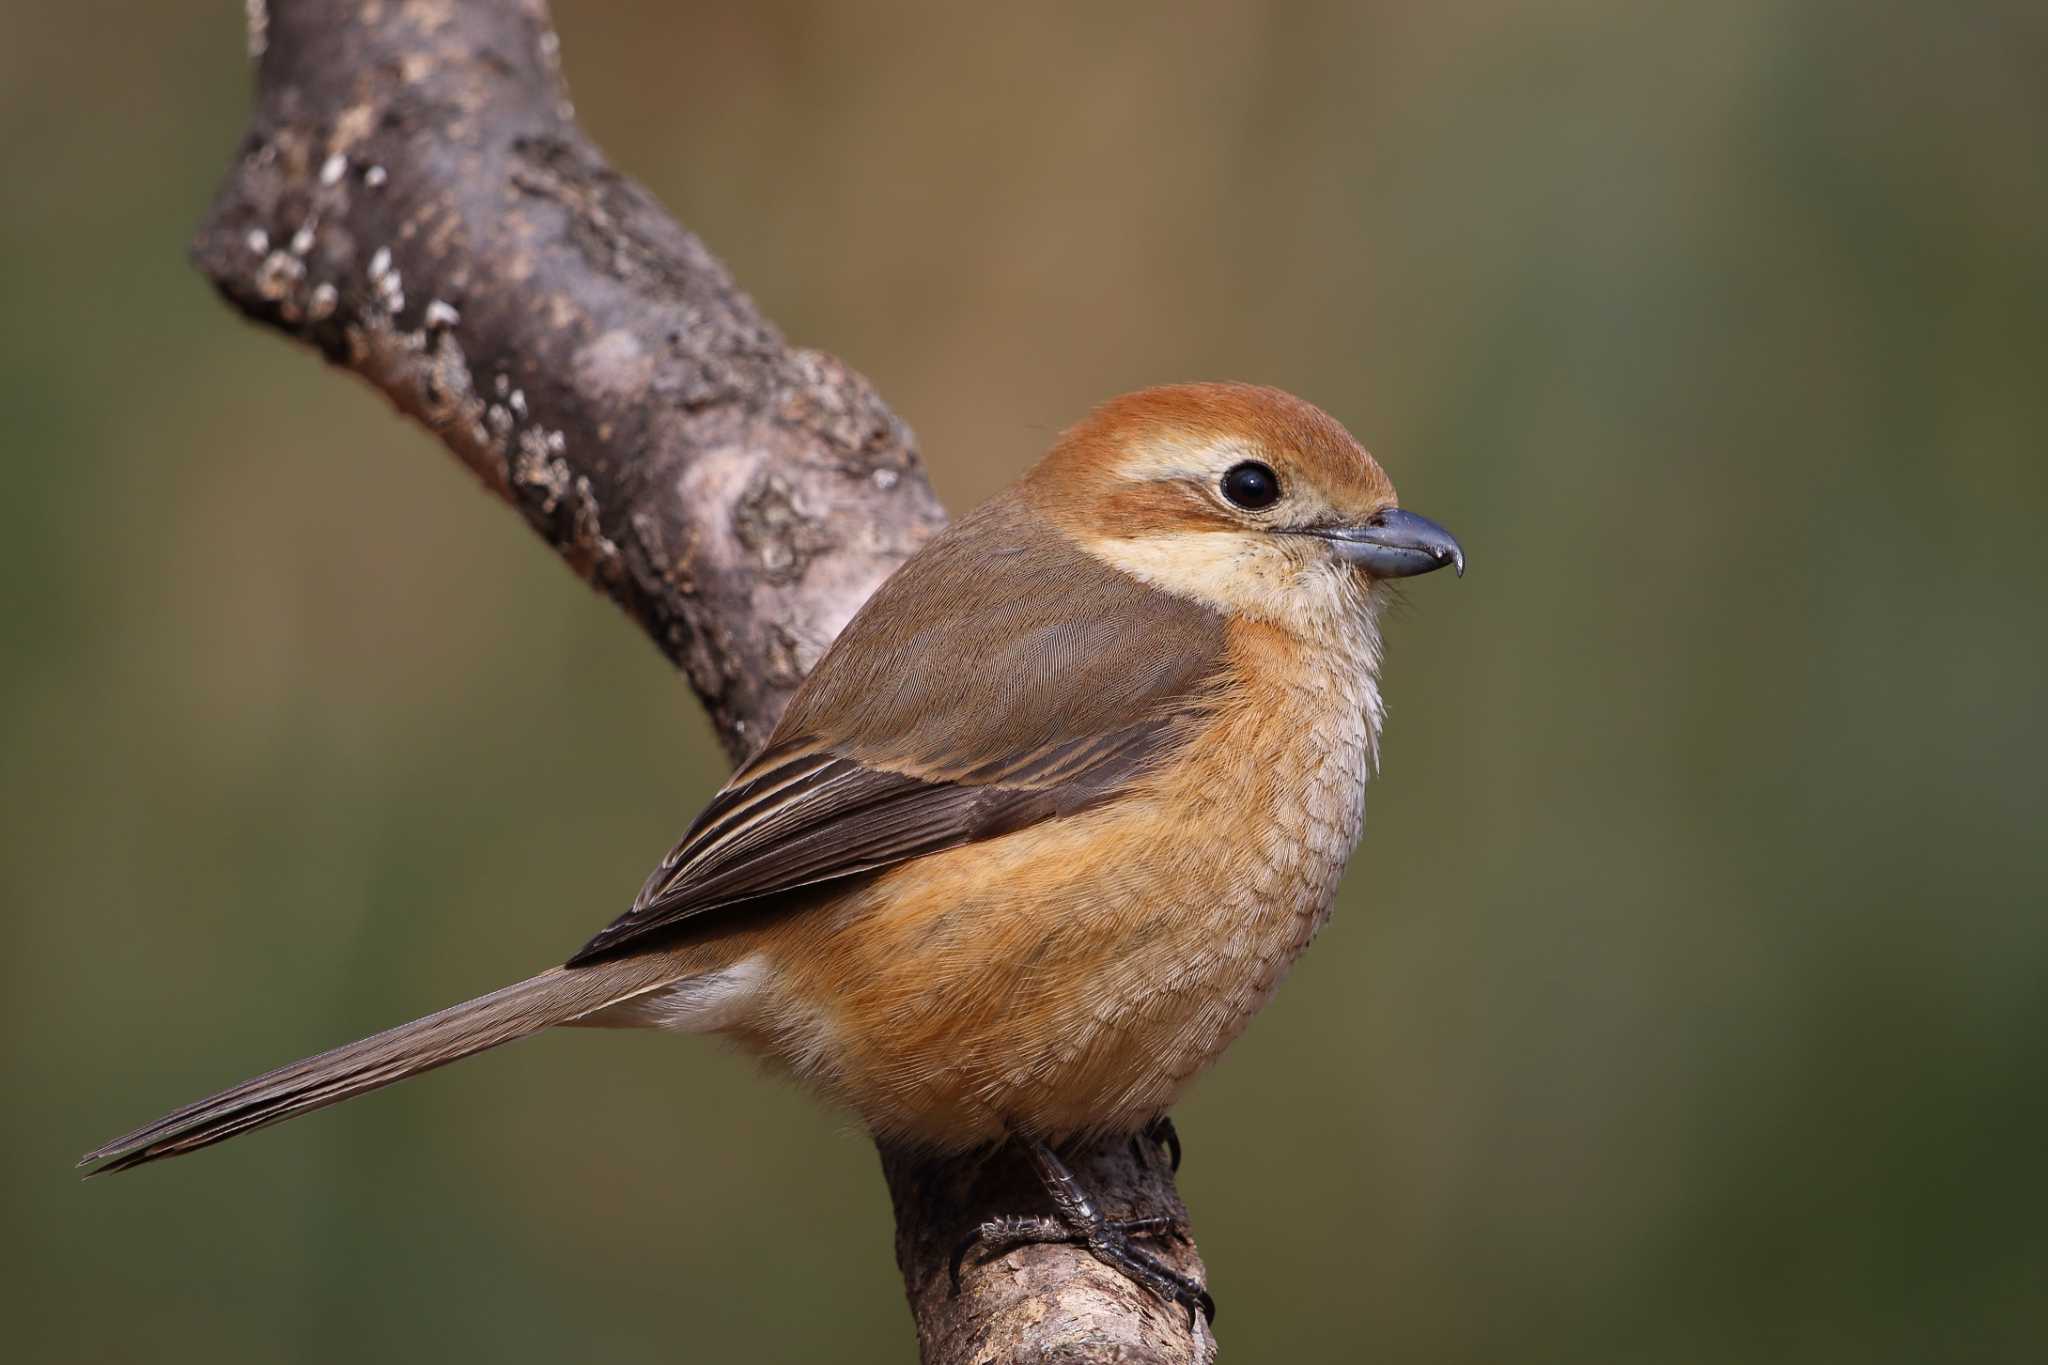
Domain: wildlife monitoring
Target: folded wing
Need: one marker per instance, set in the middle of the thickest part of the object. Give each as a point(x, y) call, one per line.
point(1000, 678)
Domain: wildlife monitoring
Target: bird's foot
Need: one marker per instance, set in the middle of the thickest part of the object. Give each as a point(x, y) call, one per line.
point(1078, 1223)
point(1109, 1241)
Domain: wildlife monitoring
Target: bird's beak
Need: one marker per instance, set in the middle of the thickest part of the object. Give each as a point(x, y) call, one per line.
point(1394, 543)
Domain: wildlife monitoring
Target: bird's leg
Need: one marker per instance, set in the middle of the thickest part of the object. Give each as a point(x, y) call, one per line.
point(1078, 1222)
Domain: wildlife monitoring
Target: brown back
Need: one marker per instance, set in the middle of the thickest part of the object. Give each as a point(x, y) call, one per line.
point(1000, 638)
point(1000, 678)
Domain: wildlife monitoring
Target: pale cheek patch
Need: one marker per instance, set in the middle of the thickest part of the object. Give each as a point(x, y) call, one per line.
point(1241, 573)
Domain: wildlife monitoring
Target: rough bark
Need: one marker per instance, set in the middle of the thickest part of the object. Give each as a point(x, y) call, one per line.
point(415, 199)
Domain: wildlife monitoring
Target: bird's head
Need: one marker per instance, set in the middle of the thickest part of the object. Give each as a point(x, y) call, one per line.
point(1244, 498)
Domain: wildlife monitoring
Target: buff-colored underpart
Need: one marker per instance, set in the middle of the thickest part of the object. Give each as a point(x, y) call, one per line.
point(1075, 976)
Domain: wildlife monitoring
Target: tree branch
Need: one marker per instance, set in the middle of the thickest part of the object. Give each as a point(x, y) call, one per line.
point(415, 199)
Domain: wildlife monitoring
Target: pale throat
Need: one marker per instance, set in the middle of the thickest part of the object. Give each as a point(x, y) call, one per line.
point(1326, 607)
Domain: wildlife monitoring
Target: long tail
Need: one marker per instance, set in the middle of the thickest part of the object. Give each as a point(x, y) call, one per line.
point(558, 996)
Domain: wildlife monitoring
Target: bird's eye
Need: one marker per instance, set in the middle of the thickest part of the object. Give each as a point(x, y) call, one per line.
point(1251, 485)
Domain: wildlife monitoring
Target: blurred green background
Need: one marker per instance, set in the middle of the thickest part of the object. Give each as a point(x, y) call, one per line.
point(1689, 998)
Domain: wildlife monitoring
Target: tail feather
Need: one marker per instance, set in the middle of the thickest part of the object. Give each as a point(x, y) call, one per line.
point(557, 996)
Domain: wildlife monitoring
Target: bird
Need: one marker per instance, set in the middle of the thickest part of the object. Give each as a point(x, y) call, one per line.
point(1038, 835)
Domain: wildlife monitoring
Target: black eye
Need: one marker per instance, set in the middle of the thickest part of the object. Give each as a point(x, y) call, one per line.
point(1251, 485)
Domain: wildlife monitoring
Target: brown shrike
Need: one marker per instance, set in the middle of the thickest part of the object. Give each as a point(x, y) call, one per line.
point(1041, 832)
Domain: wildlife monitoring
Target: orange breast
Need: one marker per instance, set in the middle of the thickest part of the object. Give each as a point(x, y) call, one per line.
point(1075, 976)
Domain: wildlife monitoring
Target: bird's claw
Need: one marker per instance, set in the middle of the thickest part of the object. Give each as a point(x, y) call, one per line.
point(1162, 1132)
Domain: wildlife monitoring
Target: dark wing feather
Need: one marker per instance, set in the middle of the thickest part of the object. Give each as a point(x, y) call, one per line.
point(994, 704)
